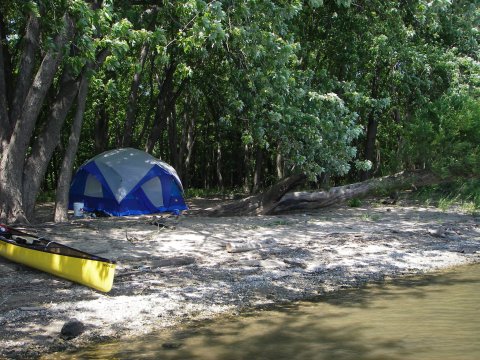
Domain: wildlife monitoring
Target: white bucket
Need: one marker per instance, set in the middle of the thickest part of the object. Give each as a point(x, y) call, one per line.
point(78, 209)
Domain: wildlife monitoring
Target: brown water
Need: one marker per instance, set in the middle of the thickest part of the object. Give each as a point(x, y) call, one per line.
point(432, 317)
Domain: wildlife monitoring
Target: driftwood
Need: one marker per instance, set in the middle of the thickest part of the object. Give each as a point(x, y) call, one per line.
point(235, 247)
point(258, 204)
point(314, 200)
point(241, 247)
point(276, 199)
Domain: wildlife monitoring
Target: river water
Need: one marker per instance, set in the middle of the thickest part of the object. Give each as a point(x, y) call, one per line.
point(430, 317)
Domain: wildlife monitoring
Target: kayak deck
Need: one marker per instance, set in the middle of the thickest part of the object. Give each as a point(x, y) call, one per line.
point(60, 260)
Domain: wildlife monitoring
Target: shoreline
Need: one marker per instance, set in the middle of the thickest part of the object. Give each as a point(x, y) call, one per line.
point(171, 276)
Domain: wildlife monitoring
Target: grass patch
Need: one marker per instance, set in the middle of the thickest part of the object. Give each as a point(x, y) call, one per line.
point(355, 202)
point(464, 194)
point(370, 217)
point(278, 223)
point(471, 208)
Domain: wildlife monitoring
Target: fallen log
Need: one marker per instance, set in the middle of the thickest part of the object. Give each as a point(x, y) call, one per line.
point(277, 199)
point(258, 204)
point(320, 199)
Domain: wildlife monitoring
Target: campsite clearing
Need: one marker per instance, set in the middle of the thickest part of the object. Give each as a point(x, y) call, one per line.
point(201, 267)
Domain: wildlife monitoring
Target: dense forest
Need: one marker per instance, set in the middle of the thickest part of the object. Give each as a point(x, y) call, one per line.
point(236, 94)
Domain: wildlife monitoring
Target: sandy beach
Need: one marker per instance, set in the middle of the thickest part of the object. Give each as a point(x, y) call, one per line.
point(199, 267)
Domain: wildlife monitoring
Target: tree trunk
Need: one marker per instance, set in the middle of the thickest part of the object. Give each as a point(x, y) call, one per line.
point(151, 104)
point(321, 199)
point(46, 142)
point(245, 169)
point(101, 129)
point(279, 164)
point(4, 118)
point(61, 203)
point(162, 111)
point(133, 99)
point(188, 143)
point(131, 116)
point(13, 157)
point(257, 176)
point(219, 164)
point(173, 138)
point(27, 64)
point(262, 203)
point(183, 144)
point(6, 79)
point(372, 128)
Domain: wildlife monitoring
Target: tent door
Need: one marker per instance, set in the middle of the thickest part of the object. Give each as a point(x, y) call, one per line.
point(153, 190)
point(93, 187)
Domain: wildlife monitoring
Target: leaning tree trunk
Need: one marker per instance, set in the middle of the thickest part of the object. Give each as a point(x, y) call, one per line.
point(276, 200)
point(27, 67)
point(42, 150)
point(61, 203)
point(63, 186)
point(13, 156)
point(321, 199)
point(263, 203)
point(48, 139)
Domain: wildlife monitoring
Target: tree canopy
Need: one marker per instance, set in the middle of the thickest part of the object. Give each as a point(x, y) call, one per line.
point(236, 94)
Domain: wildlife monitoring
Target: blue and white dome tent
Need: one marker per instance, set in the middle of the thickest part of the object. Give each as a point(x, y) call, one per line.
point(127, 182)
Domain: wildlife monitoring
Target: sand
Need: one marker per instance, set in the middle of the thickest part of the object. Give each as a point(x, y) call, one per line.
point(167, 276)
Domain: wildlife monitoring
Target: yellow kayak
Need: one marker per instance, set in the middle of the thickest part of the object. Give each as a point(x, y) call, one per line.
point(57, 259)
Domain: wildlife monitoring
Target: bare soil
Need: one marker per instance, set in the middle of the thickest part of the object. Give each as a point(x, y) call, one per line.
point(172, 271)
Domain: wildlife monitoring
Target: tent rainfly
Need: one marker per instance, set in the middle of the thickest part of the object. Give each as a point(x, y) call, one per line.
point(127, 182)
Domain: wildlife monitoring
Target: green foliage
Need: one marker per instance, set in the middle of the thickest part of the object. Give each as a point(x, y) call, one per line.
point(288, 79)
point(46, 196)
point(446, 136)
point(395, 63)
point(355, 202)
point(297, 82)
point(370, 217)
point(192, 193)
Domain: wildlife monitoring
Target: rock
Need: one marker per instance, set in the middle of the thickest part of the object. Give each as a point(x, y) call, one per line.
point(295, 263)
point(171, 345)
point(71, 329)
point(445, 233)
point(440, 232)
